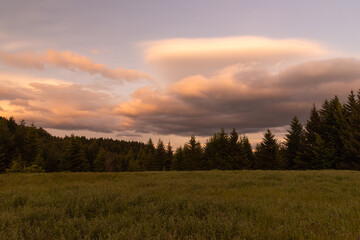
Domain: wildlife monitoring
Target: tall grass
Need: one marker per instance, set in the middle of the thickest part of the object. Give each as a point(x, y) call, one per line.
point(181, 205)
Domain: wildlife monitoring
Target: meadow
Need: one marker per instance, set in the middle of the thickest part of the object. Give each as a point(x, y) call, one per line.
point(181, 205)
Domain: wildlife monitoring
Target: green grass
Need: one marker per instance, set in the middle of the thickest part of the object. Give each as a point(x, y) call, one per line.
point(181, 205)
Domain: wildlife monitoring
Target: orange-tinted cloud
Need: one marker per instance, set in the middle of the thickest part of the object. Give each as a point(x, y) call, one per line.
point(58, 105)
point(247, 97)
point(70, 61)
point(179, 58)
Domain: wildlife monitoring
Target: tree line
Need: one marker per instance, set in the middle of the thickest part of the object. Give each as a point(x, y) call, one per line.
point(329, 139)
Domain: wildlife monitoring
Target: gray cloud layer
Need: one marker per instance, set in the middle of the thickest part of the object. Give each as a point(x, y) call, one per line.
point(245, 97)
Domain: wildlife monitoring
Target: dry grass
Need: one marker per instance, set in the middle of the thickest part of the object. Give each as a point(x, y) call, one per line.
point(181, 205)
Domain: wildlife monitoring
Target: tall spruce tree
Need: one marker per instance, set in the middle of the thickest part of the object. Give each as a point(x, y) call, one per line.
point(217, 151)
point(247, 153)
point(178, 163)
point(169, 157)
point(160, 157)
point(332, 117)
point(351, 133)
point(236, 160)
point(314, 129)
point(3, 162)
point(193, 155)
point(149, 155)
point(295, 144)
point(267, 152)
point(134, 165)
point(74, 156)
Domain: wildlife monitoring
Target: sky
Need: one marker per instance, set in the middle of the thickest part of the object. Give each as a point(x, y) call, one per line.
point(169, 69)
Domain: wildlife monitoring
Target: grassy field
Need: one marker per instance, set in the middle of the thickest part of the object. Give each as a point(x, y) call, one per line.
point(181, 205)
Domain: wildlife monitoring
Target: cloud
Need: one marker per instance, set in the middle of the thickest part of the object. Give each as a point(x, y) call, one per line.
point(249, 83)
point(179, 58)
point(58, 105)
point(70, 61)
point(247, 97)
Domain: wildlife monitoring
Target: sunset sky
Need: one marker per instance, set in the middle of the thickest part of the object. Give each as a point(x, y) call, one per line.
point(168, 69)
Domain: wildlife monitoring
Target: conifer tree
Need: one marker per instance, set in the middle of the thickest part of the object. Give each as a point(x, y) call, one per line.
point(217, 151)
point(247, 153)
point(193, 155)
point(351, 134)
point(313, 126)
point(267, 152)
point(141, 158)
point(294, 144)
point(17, 164)
point(99, 162)
point(169, 157)
point(333, 124)
point(178, 163)
point(134, 165)
point(321, 154)
point(235, 152)
point(160, 157)
point(3, 162)
point(74, 156)
point(5, 145)
point(150, 154)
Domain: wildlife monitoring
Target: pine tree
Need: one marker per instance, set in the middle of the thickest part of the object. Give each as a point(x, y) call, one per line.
point(134, 165)
point(321, 154)
point(3, 162)
point(99, 162)
point(294, 144)
point(235, 154)
point(351, 134)
point(149, 155)
point(267, 152)
point(169, 157)
point(247, 153)
point(141, 158)
point(17, 164)
point(5, 145)
point(332, 116)
point(217, 151)
point(193, 155)
point(159, 158)
point(178, 163)
point(74, 156)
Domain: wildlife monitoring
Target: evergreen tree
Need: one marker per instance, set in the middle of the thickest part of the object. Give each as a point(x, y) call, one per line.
point(247, 153)
point(236, 160)
point(169, 157)
point(160, 157)
point(217, 151)
point(99, 162)
point(178, 163)
point(351, 134)
point(149, 155)
point(141, 158)
point(74, 156)
point(17, 164)
point(267, 152)
point(193, 155)
point(6, 145)
point(12, 126)
point(3, 162)
point(332, 117)
point(134, 165)
point(321, 154)
point(294, 144)
point(314, 128)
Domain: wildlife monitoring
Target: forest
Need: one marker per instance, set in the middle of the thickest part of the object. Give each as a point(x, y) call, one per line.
point(329, 139)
